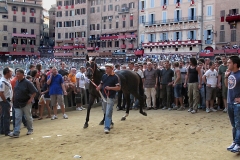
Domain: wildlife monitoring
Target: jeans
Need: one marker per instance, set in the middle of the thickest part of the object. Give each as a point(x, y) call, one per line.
point(203, 96)
point(108, 111)
point(167, 95)
point(234, 116)
point(18, 118)
point(5, 117)
point(13, 118)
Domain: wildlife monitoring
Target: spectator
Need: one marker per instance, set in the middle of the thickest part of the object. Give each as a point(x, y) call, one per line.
point(39, 69)
point(210, 79)
point(63, 71)
point(150, 85)
point(56, 90)
point(6, 94)
point(36, 83)
point(166, 85)
point(31, 67)
point(194, 84)
point(22, 103)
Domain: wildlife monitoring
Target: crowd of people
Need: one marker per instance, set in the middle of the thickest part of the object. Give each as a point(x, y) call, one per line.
point(175, 84)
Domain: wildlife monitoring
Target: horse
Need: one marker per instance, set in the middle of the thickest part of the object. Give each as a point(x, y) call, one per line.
point(131, 83)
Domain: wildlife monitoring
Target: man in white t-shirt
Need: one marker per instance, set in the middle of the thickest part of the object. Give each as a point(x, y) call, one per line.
point(81, 81)
point(210, 79)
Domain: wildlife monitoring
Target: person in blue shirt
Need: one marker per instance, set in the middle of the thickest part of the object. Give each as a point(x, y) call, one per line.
point(108, 86)
point(232, 81)
point(56, 91)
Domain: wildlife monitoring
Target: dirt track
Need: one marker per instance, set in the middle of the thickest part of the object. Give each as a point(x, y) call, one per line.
point(170, 135)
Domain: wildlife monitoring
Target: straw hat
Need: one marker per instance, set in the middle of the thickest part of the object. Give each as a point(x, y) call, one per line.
point(109, 65)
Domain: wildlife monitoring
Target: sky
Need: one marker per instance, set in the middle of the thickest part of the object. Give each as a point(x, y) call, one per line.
point(47, 3)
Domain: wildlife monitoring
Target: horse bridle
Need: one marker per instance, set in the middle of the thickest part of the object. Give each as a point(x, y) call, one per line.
point(93, 69)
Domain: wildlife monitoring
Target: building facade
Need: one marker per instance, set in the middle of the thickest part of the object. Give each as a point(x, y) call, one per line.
point(101, 27)
point(20, 25)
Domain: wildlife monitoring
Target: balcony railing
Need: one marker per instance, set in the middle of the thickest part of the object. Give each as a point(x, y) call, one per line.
point(232, 18)
point(175, 20)
point(123, 46)
point(109, 38)
point(124, 10)
point(23, 35)
point(94, 39)
point(208, 41)
point(172, 43)
point(90, 48)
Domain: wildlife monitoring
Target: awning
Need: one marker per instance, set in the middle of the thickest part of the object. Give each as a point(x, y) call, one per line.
point(56, 54)
point(67, 47)
point(211, 54)
point(231, 51)
point(24, 53)
point(218, 51)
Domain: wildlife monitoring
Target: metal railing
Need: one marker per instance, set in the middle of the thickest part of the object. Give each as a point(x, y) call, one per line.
point(175, 20)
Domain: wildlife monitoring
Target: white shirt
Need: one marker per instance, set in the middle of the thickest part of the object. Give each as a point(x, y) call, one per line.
point(6, 88)
point(82, 79)
point(211, 77)
point(140, 73)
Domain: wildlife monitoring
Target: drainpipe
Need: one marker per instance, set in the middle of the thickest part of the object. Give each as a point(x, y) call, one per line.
point(201, 28)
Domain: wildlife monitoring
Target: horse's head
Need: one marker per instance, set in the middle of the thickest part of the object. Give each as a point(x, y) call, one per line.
point(91, 67)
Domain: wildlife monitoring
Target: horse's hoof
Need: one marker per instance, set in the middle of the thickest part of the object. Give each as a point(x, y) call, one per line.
point(85, 125)
point(123, 119)
point(101, 123)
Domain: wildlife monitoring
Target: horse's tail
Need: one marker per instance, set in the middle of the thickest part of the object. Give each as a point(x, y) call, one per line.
point(141, 90)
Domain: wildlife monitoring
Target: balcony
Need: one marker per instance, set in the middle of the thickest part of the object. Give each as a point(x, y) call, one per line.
point(233, 18)
point(67, 47)
point(124, 10)
point(131, 36)
point(60, 54)
point(93, 39)
point(139, 52)
point(109, 38)
point(14, 45)
point(208, 41)
point(122, 37)
point(23, 45)
point(90, 48)
point(171, 21)
point(72, 6)
point(172, 43)
point(24, 53)
point(66, 7)
point(57, 47)
point(130, 46)
point(23, 35)
point(123, 46)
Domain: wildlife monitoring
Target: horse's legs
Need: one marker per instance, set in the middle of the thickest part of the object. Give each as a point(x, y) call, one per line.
point(127, 96)
point(91, 101)
point(141, 103)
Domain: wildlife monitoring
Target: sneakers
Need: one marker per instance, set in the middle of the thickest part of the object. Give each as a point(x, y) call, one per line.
point(225, 110)
point(219, 108)
point(193, 111)
point(229, 148)
point(164, 108)
point(181, 108)
point(54, 117)
point(175, 108)
point(236, 149)
point(78, 109)
point(29, 132)
point(106, 131)
point(169, 109)
point(190, 110)
point(65, 116)
point(213, 110)
point(11, 134)
point(208, 110)
point(82, 108)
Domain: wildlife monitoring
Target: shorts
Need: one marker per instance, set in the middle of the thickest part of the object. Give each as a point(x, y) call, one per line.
point(219, 92)
point(78, 98)
point(224, 91)
point(57, 99)
point(210, 93)
point(47, 99)
point(178, 90)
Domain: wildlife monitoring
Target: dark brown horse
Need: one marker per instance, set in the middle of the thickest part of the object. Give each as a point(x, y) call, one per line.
point(130, 81)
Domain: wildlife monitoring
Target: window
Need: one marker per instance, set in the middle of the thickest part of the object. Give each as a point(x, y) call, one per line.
point(4, 38)
point(109, 44)
point(4, 44)
point(116, 24)
point(131, 5)
point(233, 26)
point(23, 19)
point(23, 30)
point(23, 9)
point(192, 14)
point(208, 36)
point(59, 35)
point(77, 23)
point(117, 8)
point(83, 34)
point(190, 48)
point(32, 50)
point(14, 8)
point(124, 24)
point(77, 1)
point(110, 7)
point(177, 15)
point(104, 8)
point(164, 17)
point(71, 13)
point(77, 11)
point(92, 10)
point(233, 11)
point(32, 31)
point(192, 35)
point(14, 18)
point(59, 24)
point(142, 19)
point(222, 36)
point(151, 37)
point(92, 27)
point(83, 22)
point(83, 11)
point(59, 14)
point(4, 27)
point(116, 43)
point(66, 13)
point(66, 3)
point(110, 26)
point(14, 30)
point(98, 9)
point(4, 16)
point(142, 5)
point(222, 27)
point(177, 36)
point(233, 35)
point(59, 3)
point(98, 26)
point(176, 49)
point(104, 26)
point(32, 19)
point(152, 3)
point(222, 13)
point(32, 10)
point(209, 10)
point(103, 44)
point(131, 22)
point(152, 19)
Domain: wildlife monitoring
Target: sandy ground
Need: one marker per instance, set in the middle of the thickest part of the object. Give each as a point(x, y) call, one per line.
point(162, 135)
